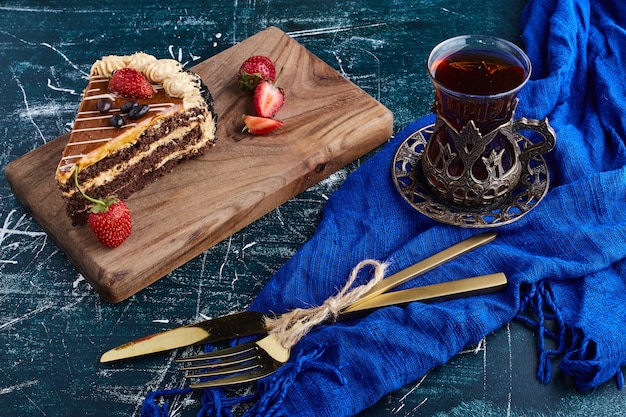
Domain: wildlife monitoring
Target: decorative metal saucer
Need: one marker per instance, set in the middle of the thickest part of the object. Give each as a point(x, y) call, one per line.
point(410, 182)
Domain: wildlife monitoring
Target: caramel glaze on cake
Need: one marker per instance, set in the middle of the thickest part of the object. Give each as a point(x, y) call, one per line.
point(120, 161)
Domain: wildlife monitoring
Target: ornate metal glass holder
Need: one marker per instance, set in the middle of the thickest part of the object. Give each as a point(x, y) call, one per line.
point(530, 189)
point(474, 169)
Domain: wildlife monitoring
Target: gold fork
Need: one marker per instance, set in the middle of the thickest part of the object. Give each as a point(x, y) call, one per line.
point(255, 360)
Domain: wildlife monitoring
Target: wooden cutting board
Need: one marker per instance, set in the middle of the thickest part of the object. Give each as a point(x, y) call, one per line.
point(329, 122)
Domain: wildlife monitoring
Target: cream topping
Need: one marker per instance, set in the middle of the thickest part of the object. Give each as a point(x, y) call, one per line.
point(168, 72)
point(140, 61)
point(162, 69)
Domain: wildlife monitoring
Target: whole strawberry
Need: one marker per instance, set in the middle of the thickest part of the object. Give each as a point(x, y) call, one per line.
point(254, 70)
point(110, 221)
point(128, 82)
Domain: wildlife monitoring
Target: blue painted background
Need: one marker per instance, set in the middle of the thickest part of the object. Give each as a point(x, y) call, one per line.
point(53, 326)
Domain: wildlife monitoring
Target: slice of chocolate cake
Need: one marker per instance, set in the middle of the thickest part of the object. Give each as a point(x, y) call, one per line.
point(120, 143)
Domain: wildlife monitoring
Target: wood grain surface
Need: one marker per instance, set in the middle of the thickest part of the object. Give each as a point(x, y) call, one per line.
point(329, 122)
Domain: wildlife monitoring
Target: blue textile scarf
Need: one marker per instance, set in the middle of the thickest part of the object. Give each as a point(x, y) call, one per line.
point(565, 260)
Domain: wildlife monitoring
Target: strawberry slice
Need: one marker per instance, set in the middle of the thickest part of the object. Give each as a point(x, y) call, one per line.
point(268, 99)
point(258, 125)
point(128, 82)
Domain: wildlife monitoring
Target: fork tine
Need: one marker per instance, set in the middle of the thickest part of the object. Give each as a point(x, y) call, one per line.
point(220, 354)
point(237, 365)
point(249, 367)
point(236, 379)
point(228, 361)
point(208, 372)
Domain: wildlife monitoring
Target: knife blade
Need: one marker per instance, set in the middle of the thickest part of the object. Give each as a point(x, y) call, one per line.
point(482, 284)
point(213, 330)
point(249, 322)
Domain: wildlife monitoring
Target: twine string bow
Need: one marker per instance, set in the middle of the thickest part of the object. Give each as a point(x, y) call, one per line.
point(292, 326)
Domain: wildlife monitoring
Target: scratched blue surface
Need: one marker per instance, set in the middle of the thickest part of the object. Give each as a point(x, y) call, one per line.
point(53, 326)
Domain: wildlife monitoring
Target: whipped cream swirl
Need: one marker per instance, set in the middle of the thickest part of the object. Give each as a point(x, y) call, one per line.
point(167, 72)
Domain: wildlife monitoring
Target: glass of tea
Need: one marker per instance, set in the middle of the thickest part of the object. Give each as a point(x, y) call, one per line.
point(473, 157)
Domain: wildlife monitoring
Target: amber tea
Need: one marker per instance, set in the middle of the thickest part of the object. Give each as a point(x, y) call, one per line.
point(478, 72)
point(472, 157)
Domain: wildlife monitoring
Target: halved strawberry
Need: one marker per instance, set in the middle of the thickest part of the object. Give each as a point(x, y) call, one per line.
point(254, 70)
point(258, 125)
point(128, 82)
point(268, 99)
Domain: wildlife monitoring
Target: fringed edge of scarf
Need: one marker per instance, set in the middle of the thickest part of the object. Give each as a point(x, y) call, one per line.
point(155, 405)
point(273, 390)
point(215, 402)
point(577, 353)
point(269, 396)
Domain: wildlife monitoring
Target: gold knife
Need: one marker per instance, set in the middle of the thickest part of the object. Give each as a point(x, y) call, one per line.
point(249, 322)
point(225, 327)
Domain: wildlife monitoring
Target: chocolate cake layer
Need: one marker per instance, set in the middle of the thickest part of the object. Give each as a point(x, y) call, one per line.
point(149, 157)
